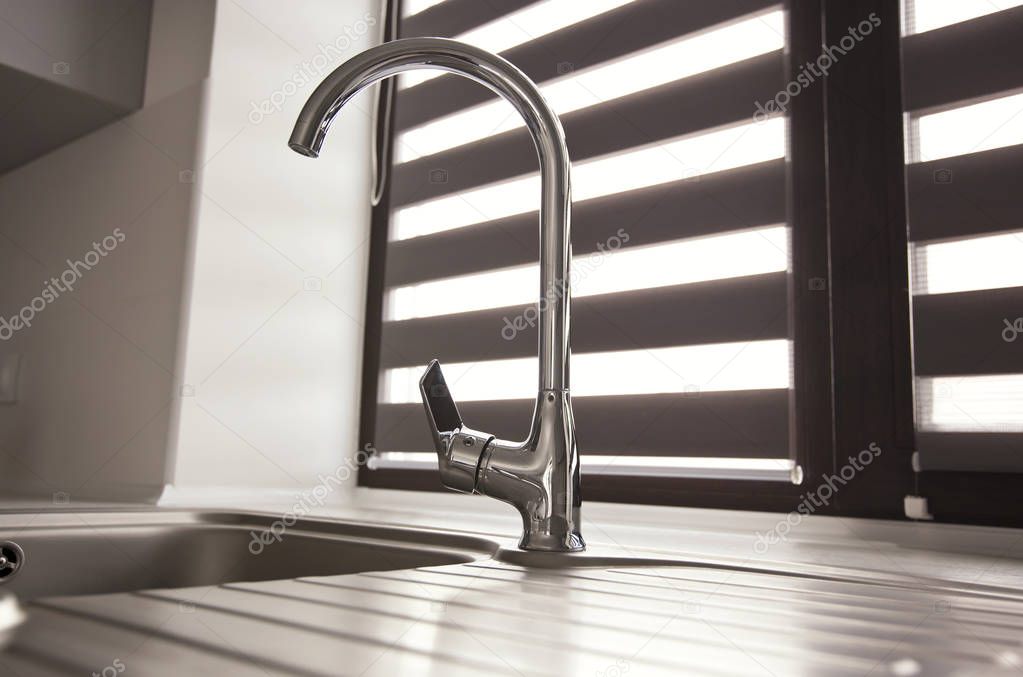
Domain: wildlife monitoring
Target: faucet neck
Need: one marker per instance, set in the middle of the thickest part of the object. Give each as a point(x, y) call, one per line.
point(511, 84)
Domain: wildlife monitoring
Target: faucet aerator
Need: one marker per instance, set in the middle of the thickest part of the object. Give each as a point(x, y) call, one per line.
point(303, 150)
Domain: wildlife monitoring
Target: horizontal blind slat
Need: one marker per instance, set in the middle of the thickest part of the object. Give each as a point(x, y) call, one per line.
point(738, 424)
point(699, 492)
point(739, 198)
point(640, 24)
point(719, 311)
point(966, 195)
point(716, 98)
point(454, 17)
point(961, 334)
point(970, 452)
point(963, 61)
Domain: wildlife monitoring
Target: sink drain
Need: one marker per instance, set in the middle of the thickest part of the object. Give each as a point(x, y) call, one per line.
point(12, 558)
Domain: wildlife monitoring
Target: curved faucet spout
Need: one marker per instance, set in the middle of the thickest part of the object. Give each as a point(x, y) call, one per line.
point(544, 126)
point(539, 476)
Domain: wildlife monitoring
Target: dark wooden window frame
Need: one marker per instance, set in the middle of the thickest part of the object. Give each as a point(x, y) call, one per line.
point(849, 296)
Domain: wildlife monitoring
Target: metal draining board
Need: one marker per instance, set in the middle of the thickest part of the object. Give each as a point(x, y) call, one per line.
point(489, 617)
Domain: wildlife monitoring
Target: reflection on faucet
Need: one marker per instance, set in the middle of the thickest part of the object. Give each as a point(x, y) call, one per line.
point(540, 475)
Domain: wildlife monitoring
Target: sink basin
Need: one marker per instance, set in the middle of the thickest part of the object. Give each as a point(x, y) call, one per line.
point(102, 552)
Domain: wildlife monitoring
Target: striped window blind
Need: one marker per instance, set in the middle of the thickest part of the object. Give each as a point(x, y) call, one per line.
point(963, 93)
point(681, 355)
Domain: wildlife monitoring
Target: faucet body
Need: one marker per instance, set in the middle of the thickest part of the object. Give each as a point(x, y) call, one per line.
point(540, 475)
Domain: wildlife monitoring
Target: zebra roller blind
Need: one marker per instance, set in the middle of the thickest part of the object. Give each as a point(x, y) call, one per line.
point(963, 78)
point(681, 357)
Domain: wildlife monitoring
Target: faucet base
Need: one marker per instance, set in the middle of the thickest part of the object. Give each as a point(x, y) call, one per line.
point(571, 542)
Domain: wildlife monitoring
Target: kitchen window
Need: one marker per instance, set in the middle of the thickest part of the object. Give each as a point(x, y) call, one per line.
point(964, 122)
point(742, 302)
point(681, 358)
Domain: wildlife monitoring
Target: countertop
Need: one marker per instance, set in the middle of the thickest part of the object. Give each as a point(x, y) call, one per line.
point(836, 597)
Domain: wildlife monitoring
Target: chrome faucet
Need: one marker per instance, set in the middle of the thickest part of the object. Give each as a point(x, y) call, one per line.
point(540, 475)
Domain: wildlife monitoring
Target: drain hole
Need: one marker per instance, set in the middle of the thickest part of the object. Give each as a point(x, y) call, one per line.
point(12, 558)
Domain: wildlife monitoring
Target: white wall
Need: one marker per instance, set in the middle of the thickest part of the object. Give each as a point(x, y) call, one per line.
point(272, 354)
point(96, 391)
point(224, 230)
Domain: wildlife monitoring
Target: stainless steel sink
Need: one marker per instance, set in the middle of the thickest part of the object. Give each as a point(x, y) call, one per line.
point(186, 595)
point(86, 553)
point(74, 553)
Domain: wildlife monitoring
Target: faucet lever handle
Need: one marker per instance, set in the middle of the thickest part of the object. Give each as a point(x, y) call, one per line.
point(441, 410)
point(459, 449)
